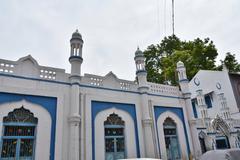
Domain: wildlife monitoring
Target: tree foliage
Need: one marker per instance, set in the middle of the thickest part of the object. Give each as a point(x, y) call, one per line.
point(230, 62)
point(198, 54)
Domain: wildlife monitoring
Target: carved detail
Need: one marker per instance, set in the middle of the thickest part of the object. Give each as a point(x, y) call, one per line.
point(20, 115)
point(114, 119)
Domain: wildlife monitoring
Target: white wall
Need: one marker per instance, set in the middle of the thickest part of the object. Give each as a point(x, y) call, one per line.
point(208, 81)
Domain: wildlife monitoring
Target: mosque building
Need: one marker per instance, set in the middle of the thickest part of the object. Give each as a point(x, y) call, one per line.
point(48, 114)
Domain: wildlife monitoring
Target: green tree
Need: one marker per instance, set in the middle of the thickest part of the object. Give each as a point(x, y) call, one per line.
point(230, 62)
point(161, 59)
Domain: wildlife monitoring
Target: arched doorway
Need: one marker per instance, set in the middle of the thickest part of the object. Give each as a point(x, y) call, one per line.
point(201, 138)
point(19, 134)
point(171, 139)
point(114, 137)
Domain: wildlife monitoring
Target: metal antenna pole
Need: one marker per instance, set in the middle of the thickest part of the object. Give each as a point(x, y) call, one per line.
point(173, 16)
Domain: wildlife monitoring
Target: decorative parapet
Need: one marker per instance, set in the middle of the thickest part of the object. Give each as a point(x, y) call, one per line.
point(28, 67)
point(164, 89)
point(109, 81)
point(7, 66)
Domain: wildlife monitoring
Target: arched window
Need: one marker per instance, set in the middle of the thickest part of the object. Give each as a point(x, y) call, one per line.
point(171, 139)
point(18, 138)
point(114, 138)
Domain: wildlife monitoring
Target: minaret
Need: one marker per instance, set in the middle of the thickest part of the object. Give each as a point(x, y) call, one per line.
point(75, 58)
point(143, 88)
point(141, 71)
point(184, 85)
point(74, 118)
point(182, 77)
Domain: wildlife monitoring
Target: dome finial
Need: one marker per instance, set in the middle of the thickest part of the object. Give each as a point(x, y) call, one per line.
point(138, 52)
point(76, 35)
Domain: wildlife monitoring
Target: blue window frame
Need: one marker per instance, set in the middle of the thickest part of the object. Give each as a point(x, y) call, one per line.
point(208, 101)
point(194, 108)
point(114, 138)
point(19, 134)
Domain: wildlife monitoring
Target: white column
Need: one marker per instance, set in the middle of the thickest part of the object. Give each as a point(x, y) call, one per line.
point(74, 123)
point(147, 127)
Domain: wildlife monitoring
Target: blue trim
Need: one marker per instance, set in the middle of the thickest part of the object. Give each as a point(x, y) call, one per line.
point(49, 103)
point(194, 109)
point(19, 124)
point(183, 80)
point(35, 79)
point(208, 101)
point(211, 133)
point(75, 57)
point(201, 128)
point(98, 106)
point(237, 127)
point(158, 110)
point(235, 132)
point(141, 71)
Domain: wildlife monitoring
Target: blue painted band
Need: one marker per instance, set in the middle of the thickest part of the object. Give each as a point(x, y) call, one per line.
point(183, 80)
point(49, 103)
point(158, 110)
point(200, 128)
point(141, 71)
point(139, 56)
point(98, 106)
point(211, 133)
point(35, 79)
point(75, 58)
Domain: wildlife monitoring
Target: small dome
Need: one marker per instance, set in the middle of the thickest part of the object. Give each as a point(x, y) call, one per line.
point(76, 35)
point(138, 52)
point(180, 64)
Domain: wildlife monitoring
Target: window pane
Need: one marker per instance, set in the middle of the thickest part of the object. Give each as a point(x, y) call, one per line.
point(19, 131)
point(119, 155)
point(109, 145)
point(113, 131)
point(26, 148)
point(9, 148)
point(170, 131)
point(120, 144)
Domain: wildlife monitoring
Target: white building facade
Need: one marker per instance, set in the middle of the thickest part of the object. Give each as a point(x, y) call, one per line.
point(48, 114)
point(215, 96)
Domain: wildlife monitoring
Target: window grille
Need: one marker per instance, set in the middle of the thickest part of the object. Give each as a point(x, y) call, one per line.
point(19, 133)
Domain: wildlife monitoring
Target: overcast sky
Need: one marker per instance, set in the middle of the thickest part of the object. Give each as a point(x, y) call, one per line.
point(111, 29)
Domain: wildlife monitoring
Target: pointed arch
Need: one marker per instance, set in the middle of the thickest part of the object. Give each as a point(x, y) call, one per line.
point(220, 126)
